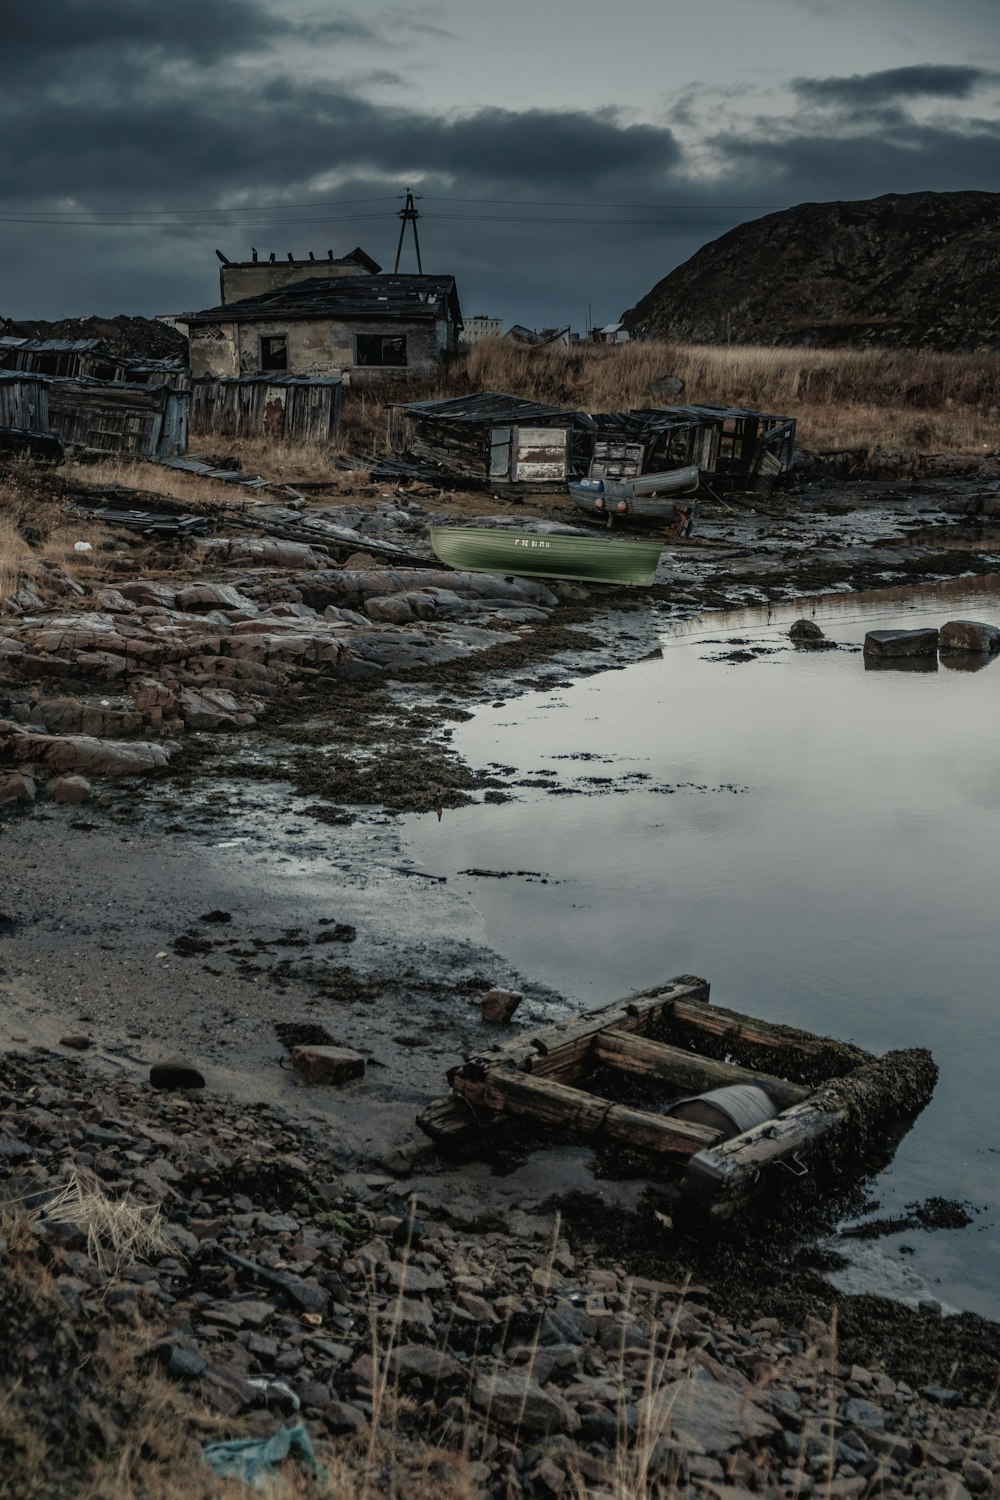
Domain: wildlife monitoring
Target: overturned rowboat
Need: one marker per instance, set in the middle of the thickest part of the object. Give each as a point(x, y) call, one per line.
point(740, 1095)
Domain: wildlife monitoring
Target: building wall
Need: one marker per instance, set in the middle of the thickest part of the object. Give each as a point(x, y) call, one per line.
point(477, 329)
point(250, 278)
point(320, 347)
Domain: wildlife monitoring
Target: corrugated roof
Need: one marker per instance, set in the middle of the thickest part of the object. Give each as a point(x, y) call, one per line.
point(369, 297)
point(60, 346)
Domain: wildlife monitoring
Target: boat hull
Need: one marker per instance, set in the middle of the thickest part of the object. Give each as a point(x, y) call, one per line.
point(649, 497)
point(530, 554)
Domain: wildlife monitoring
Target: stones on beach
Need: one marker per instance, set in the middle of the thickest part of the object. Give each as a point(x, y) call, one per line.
point(16, 787)
point(805, 630)
point(902, 643)
point(328, 1064)
point(70, 789)
point(76, 1042)
point(175, 1073)
point(971, 636)
point(498, 1006)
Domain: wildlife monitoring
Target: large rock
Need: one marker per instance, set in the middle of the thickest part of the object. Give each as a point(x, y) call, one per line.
point(16, 788)
point(970, 635)
point(923, 642)
point(497, 1006)
point(705, 1416)
point(517, 1401)
point(328, 1064)
point(70, 789)
point(79, 752)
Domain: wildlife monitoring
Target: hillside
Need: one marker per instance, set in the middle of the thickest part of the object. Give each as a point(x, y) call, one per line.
point(916, 271)
point(138, 338)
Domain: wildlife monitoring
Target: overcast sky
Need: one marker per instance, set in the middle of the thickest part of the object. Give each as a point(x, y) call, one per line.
point(569, 152)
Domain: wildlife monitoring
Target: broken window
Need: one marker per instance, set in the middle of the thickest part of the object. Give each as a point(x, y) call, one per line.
point(274, 351)
point(381, 349)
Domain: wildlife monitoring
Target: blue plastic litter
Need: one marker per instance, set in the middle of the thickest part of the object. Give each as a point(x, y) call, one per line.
point(255, 1460)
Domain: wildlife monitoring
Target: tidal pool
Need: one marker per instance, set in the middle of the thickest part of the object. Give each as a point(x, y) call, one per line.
point(820, 841)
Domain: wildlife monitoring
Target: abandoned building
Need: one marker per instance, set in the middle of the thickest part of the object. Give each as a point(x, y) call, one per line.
point(249, 278)
point(498, 439)
point(282, 407)
point(86, 359)
point(370, 327)
point(492, 438)
point(100, 417)
point(480, 327)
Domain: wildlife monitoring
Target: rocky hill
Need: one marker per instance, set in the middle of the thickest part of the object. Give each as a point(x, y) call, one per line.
point(917, 271)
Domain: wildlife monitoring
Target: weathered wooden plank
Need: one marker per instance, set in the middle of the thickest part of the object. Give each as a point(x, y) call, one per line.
point(561, 1045)
point(885, 1088)
point(687, 1070)
point(689, 1020)
point(555, 1104)
point(456, 1125)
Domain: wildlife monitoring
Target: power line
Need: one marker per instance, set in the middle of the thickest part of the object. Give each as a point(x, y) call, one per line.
point(328, 219)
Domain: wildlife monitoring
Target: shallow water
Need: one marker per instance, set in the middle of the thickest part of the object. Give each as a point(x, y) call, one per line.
point(819, 840)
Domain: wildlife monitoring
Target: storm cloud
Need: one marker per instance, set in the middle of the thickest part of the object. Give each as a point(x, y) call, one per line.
point(135, 137)
point(939, 81)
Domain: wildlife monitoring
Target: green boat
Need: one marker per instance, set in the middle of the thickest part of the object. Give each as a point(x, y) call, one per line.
point(532, 554)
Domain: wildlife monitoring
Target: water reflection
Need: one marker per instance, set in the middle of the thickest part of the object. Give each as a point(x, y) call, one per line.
point(901, 663)
point(814, 838)
point(966, 661)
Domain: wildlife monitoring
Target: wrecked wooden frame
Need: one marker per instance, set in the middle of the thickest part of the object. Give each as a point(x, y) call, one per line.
point(671, 1034)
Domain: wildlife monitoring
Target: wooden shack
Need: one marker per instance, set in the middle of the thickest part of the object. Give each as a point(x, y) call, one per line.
point(294, 408)
point(735, 448)
point(119, 418)
point(24, 402)
point(494, 439)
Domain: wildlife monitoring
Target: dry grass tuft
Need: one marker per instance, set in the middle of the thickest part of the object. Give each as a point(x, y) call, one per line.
point(118, 1231)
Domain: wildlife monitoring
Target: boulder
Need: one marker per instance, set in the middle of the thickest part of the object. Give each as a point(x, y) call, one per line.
point(497, 1006)
point(923, 642)
point(70, 789)
point(806, 630)
point(175, 1073)
point(518, 1401)
point(79, 752)
point(199, 597)
point(970, 635)
point(708, 1417)
point(328, 1064)
point(16, 788)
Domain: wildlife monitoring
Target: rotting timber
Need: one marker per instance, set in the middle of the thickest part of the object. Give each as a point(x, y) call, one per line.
point(833, 1098)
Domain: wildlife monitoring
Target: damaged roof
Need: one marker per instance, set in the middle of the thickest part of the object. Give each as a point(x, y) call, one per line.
point(398, 298)
point(490, 406)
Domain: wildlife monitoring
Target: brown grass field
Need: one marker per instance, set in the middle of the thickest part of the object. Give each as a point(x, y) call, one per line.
point(845, 398)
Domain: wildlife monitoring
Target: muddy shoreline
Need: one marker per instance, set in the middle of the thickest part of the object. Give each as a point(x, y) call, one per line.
point(287, 825)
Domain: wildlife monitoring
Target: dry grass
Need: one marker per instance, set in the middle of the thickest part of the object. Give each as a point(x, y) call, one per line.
point(846, 398)
point(37, 536)
point(118, 1230)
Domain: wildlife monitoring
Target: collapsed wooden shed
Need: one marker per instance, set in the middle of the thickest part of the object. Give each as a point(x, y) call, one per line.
point(734, 448)
point(491, 438)
point(89, 359)
point(295, 408)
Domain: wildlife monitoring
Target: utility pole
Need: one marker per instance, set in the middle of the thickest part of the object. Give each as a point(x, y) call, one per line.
point(409, 214)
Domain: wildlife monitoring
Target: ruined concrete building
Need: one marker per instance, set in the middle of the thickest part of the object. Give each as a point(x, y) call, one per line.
point(370, 327)
point(249, 278)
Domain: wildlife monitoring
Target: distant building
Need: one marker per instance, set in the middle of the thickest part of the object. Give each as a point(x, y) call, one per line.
point(481, 327)
point(374, 327)
point(611, 333)
point(249, 278)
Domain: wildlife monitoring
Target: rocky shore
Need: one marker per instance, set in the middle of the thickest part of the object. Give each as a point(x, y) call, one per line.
point(436, 1333)
point(430, 1344)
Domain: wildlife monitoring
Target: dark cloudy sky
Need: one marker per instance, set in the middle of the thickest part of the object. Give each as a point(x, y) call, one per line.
point(569, 152)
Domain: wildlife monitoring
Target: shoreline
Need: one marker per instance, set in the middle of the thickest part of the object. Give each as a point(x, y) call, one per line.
point(133, 963)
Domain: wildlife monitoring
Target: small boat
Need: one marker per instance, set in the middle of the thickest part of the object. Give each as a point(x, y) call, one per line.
point(530, 554)
point(649, 497)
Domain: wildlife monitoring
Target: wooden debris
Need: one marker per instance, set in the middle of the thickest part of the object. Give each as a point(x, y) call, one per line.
point(825, 1090)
